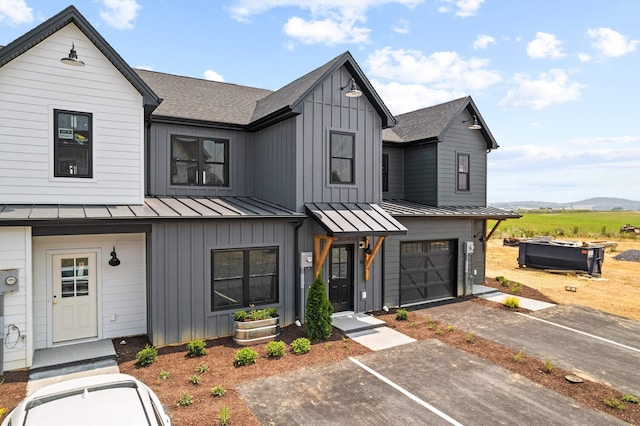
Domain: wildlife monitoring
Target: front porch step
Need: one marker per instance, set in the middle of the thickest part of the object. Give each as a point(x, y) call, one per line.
point(351, 322)
point(62, 360)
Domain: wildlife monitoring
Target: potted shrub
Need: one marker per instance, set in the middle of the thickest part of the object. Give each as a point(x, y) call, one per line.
point(255, 326)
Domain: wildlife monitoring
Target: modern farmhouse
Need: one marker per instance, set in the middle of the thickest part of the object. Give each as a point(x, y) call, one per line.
point(137, 202)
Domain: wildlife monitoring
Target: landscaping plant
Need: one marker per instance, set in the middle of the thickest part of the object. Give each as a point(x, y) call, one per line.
point(275, 349)
point(402, 315)
point(196, 348)
point(318, 312)
point(147, 356)
point(301, 346)
point(245, 356)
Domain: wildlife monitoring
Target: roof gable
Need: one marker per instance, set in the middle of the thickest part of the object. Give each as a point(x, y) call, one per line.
point(431, 123)
point(289, 98)
point(61, 20)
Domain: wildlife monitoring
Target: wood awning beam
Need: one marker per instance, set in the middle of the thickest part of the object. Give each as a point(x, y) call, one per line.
point(495, 227)
point(368, 257)
point(319, 252)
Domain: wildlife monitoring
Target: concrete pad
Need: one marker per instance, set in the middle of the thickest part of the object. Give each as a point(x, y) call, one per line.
point(380, 338)
point(530, 304)
point(350, 322)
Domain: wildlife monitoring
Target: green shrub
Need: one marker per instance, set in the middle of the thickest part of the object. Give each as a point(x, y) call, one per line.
point(301, 346)
point(240, 315)
point(548, 365)
point(272, 312)
point(503, 281)
point(196, 348)
point(402, 315)
point(614, 403)
point(518, 357)
point(202, 368)
point(195, 380)
point(516, 287)
point(450, 329)
point(164, 375)
point(224, 418)
point(629, 398)
point(318, 312)
point(185, 400)
point(217, 391)
point(275, 349)
point(245, 356)
point(3, 411)
point(511, 302)
point(147, 356)
point(469, 338)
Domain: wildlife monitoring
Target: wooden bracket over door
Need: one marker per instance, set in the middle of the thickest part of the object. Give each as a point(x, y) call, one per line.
point(368, 257)
point(320, 253)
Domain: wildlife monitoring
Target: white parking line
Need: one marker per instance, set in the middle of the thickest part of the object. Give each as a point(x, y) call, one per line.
point(405, 392)
point(581, 332)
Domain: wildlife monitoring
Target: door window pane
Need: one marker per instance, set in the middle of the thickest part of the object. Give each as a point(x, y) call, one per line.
point(74, 277)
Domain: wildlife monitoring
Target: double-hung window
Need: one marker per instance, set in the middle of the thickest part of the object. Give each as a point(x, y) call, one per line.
point(199, 161)
point(463, 172)
point(73, 144)
point(240, 278)
point(342, 149)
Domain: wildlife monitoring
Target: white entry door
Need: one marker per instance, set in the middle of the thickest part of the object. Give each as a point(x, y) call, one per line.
point(75, 304)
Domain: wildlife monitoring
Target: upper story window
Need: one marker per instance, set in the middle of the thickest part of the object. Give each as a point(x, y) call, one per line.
point(342, 149)
point(73, 144)
point(463, 172)
point(385, 172)
point(199, 161)
point(243, 277)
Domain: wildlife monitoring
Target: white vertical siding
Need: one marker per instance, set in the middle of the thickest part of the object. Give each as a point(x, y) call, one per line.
point(121, 289)
point(31, 87)
point(15, 253)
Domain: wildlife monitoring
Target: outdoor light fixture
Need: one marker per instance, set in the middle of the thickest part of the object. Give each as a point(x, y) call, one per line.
point(353, 91)
point(72, 59)
point(474, 125)
point(114, 261)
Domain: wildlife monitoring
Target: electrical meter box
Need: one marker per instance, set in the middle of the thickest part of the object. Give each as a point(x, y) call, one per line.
point(468, 247)
point(306, 259)
point(8, 280)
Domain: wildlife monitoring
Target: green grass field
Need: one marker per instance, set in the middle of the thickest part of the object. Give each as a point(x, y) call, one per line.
point(568, 224)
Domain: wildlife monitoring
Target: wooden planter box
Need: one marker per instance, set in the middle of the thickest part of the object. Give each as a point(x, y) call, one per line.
point(247, 333)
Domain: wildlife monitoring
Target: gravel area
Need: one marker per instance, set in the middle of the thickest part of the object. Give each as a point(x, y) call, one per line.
point(629, 256)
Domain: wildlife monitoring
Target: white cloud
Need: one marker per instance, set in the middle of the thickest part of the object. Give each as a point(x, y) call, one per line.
point(463, 8)
point(326, 31)
point(553, 87)
point(402, 26)
point(584, 57)
point(611, 43)
point(15, 12)
point(441, 70)
point(329, 22)
point(120, 14)
point(401, 98)
point(213, 76)
point(483, 41)
point(545, 45)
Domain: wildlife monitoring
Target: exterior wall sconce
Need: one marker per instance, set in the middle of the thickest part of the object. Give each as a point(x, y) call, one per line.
point(72, 59)
point(353, 91)
point(114, 261)
point(475, 125)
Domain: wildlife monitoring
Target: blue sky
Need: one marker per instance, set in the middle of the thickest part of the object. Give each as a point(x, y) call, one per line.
point(556, 80)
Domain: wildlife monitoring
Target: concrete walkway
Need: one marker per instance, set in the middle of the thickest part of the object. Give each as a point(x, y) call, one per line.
point(369, 331)
point(494, 295)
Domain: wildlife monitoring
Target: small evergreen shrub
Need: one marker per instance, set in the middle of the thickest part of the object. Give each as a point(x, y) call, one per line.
point(245, 356)
point(318, 311)
point(402, 315)
point(511, 302)
point(275, 349)
point(147, 356)
point(185, 400)
point(301, 346)
point(217, 391)
point(196, 348)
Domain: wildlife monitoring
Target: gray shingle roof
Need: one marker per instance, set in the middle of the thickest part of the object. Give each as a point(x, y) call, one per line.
point(203, 100)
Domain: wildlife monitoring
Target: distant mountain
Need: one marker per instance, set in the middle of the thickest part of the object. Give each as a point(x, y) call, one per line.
point(600, 203)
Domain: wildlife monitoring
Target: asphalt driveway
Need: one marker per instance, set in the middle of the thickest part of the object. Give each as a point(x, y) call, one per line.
point(421, 383)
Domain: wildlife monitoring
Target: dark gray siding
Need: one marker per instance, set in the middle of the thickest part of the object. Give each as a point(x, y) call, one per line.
point(421, 174)
point(180, 274)
point(274, 156)
point(479, 253)
point(460, 139)
point(328, 109)
point(422, 229)
point(240, 159)
point(396, 172)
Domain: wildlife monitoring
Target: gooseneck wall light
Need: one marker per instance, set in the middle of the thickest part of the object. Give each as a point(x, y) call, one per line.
point(353, 91)
point(72, 59)
point(475, 125)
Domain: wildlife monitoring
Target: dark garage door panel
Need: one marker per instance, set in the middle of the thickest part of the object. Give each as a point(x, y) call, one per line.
point(427, 270)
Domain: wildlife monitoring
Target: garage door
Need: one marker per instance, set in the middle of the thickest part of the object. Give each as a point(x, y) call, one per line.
point(427, 270)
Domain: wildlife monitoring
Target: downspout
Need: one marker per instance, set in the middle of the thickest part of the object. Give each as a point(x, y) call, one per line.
point(147, 152)
point(299, 288)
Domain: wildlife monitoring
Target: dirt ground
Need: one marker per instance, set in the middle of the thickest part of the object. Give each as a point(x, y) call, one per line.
point(617, 291)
